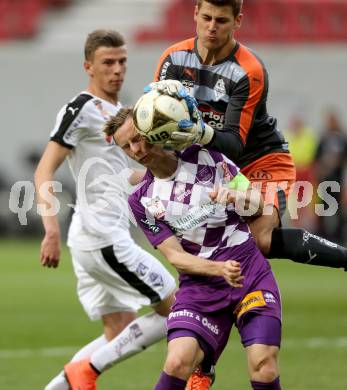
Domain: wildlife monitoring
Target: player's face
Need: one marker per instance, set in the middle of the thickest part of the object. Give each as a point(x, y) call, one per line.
point(215, 26)
point(134, 145)
point(107, 69)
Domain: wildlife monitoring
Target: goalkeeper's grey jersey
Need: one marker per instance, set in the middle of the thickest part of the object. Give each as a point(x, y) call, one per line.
point(100, 169)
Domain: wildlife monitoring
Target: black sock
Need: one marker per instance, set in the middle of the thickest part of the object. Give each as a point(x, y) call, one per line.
point(303, 247)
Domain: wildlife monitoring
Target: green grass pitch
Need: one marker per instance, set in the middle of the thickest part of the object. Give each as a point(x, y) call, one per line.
point(42, 324)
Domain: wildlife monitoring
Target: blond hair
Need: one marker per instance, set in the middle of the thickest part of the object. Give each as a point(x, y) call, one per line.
point(118, 120)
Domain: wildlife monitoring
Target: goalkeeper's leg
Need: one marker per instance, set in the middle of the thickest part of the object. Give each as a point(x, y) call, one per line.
point(295, 244)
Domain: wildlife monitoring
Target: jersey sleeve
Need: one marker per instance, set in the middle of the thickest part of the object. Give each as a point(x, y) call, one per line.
point(71, 122)
point(232, 177)
point(247, 98)
point(155, 230)
point(171, 61)
point(249, 94)
point(242, 107)
point(227, 168)
point(165, 69)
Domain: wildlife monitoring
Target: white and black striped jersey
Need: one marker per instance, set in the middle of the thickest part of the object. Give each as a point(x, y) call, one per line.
point(99, 168)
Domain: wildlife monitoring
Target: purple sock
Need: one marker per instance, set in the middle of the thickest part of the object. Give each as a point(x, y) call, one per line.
point(275, 385)
point(168, 382)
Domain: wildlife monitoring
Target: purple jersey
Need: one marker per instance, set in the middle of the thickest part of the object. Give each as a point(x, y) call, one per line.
point(180, 205)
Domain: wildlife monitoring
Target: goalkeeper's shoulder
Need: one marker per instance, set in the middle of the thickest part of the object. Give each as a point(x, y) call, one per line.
point(185, 45)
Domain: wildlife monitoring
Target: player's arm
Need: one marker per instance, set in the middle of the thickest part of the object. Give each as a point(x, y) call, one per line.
point(162, 237)
point(248, 201)
point(239, 117)
point(240, 114)
point(50, 161)
point(187, 263)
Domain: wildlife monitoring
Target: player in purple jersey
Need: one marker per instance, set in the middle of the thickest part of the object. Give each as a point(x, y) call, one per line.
point(224, 278)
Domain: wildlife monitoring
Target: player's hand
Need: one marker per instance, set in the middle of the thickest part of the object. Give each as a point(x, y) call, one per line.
point(223, 195)
point(176, 89)
point(50, 250)
point(172, 88)
point(231, 272)
point(190, 132)
point(248, 203)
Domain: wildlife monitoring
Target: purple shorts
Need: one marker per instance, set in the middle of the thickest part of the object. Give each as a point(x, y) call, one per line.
point(258, 322)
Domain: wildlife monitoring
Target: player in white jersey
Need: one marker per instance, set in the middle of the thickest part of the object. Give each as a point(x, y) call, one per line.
point(115, 276)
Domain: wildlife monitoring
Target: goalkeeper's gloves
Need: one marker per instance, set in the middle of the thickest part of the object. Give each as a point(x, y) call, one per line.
point(190, 131)
point(175, 89)
point(172, 88)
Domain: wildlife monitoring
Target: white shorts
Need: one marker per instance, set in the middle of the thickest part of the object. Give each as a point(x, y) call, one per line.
point(120, 277)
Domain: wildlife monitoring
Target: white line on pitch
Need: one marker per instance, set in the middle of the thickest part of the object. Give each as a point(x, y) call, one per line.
point(289, 343)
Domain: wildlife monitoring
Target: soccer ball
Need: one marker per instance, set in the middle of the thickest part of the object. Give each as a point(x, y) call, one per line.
point(156, 116)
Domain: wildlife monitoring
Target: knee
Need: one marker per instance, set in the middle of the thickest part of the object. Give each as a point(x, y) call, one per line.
point(178, 367)
point(265, 369)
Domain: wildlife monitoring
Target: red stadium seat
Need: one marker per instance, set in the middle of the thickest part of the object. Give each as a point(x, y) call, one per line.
point(19, 19)
point(335, 18)
point(177, 23)
point(291, 21)
point(57, 3)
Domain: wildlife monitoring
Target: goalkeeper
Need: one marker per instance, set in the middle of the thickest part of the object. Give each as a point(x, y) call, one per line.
point(230, 84)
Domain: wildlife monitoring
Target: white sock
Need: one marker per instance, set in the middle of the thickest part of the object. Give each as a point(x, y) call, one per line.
point(59, 382)
point(137, 336)
point(88, 349)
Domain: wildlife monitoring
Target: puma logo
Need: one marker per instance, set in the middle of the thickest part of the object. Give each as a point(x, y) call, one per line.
point(73, 110)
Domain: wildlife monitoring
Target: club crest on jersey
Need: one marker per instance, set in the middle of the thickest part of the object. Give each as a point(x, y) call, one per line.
point(219, 89)
point(98, 104)
point(189, 86)
point(204, 174)
point(156, 207)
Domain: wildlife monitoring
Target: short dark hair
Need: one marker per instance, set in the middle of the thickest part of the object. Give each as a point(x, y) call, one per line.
point(118, 120)
point(236, 5)
point(98, 38)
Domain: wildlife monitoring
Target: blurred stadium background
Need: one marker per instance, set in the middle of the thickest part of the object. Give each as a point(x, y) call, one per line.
point(304, 46)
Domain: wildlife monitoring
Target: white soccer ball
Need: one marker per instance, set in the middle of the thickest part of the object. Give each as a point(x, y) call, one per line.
point(156, 116)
